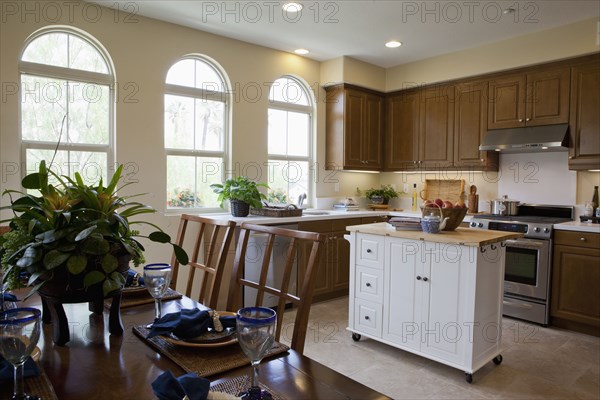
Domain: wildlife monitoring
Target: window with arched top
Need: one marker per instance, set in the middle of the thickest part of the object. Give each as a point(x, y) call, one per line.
point(196, 132)
point(290, 121)
point(67, 103)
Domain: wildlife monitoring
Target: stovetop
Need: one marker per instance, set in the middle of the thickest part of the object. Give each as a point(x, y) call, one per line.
point(534, 221)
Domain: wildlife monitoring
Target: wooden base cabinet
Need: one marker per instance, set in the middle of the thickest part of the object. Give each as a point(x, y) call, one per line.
point(441, 301)
point(575, 300)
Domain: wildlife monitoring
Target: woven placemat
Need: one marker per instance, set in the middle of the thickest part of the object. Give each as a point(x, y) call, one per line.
point(239, 384)
point(40, 386)
point(138, 299)
point(204, 361)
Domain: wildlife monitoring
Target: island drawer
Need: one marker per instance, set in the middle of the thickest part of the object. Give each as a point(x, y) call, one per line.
point(369, 284)
point(368, 317)
point(577, 239)
point(369, 251)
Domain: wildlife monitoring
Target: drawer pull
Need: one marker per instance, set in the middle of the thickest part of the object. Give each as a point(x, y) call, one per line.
point(582, 239)
point(418, 277)
point(367, 317)
point(369, 251)
point(425, 279)
point(368, 284)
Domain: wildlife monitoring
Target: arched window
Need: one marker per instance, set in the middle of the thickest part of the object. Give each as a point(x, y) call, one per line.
point(290, 140)
point(67, 103)
point(196, 131)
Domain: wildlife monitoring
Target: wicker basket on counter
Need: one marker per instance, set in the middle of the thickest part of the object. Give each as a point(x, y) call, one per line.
point(277, 211)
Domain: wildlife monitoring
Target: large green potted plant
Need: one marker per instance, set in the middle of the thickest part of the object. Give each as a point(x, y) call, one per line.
point(382, 195)
point(71, 241)
point(242, 194)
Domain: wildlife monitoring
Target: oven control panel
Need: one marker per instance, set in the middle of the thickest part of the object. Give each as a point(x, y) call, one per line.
point(529, 230)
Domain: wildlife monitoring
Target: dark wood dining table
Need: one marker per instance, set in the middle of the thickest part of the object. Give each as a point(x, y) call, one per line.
point(97, 365)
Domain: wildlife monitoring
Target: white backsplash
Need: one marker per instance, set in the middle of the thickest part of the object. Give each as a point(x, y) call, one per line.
point(539, 178)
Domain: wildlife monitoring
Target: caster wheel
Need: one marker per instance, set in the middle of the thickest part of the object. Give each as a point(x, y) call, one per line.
point(355, 337)
point(498, 359)
point(469, 377)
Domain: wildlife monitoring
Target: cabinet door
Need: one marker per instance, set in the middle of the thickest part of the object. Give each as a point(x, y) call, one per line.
point(322, 282)
point(507, 102)
point(403, 293)
point(443, 284)
point(402, 131)
point(470, 126)
point(372, 138)
point(585, 118)
point(354, 127)
point(436, 138)
point(548, 97)
point(340, 266)
point(575, 287)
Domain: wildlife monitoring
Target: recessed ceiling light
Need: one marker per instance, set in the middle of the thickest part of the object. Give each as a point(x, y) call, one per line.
point(393, 44)
point(301, 51)
point(292, 6)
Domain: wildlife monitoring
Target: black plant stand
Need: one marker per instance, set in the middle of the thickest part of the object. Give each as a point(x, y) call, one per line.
point(53, 312)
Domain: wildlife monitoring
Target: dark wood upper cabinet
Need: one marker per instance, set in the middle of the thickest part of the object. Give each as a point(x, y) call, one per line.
point(470, 127)
point(436, 133)
point(585, 116)
point(354, 119)
point(529, 99)
point(402, 130)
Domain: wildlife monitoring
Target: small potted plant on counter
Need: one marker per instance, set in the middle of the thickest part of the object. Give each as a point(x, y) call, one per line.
point(382, 195)
point(242, 194)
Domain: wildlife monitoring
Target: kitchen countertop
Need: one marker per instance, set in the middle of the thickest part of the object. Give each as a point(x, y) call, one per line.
point(308, 216)
point(578, 227)
point(461, 236)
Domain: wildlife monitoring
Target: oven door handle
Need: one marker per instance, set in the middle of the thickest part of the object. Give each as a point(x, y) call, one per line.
point(515, 304)
point(529, 244)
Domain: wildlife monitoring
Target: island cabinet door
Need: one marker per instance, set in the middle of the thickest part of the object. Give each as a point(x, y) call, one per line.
point(444, 287)
point(403, 293)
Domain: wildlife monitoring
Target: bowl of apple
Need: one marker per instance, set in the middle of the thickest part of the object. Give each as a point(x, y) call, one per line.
point(455, 212)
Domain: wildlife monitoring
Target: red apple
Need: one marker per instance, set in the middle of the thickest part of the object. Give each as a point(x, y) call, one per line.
point(447, 204)
point(439, 202)
point(428, 203)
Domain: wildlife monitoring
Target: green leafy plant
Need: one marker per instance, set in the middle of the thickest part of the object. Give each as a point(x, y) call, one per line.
point(386, 192)
point(242, 189)
point(73, 230)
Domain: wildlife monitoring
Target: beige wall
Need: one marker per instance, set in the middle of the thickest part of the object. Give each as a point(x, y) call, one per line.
point(554, 44)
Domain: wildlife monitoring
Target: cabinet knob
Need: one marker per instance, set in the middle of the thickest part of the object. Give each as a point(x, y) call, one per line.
point(482, 160)
point(369, 251)
point(367, 317)
point(582, 239)
point(425, 279)
point(368, 284)
point(520, 119)
point(418, 277)
point(527, 119)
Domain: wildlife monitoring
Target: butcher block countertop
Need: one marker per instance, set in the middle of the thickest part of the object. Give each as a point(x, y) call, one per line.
point(461, 236)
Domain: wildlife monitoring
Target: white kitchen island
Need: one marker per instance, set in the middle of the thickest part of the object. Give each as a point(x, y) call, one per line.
point(436, 295)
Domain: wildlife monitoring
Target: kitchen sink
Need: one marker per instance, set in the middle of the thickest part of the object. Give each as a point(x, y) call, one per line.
point(315, 212)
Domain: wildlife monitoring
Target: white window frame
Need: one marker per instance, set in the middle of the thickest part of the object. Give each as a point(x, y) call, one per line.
point(310, 110)
point(197, 93)
point(70, 75)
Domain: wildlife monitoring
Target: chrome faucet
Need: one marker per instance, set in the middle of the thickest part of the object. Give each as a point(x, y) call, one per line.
point(301, 199)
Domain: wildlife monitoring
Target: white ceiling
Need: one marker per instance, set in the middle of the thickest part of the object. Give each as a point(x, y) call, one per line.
point(359, 28)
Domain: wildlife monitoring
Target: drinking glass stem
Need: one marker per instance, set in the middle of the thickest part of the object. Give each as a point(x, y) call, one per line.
point(19, 387)
point(157, 309)
point(255, 373)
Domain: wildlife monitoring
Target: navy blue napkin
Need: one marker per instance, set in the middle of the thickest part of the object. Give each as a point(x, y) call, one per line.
point(187, 324)
point(7, 371)
point(9, 297)
point(167, 387)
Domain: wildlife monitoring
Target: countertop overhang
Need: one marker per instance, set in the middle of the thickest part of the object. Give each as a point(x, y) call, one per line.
point(577, 226)
point(461, 236)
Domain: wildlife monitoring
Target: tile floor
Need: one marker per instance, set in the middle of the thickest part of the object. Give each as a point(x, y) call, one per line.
point(539, 362)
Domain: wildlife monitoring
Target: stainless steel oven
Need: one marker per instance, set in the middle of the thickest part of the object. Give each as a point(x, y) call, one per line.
point(528, 261)
point(527, 279)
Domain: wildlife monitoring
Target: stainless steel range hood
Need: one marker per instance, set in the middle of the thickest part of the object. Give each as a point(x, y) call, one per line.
point(527, 139)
